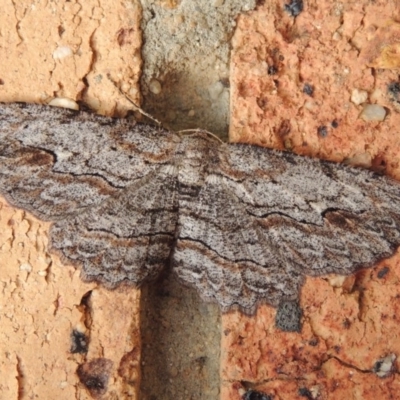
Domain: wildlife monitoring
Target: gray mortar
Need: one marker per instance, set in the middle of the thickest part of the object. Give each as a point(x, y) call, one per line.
point(185, 84)
point(180, 344)
point(185, 78)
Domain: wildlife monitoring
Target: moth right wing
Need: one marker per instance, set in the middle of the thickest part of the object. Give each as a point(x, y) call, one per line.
point(263, 220)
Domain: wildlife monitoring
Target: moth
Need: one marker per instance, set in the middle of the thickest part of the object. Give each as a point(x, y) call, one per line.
point(242, 224)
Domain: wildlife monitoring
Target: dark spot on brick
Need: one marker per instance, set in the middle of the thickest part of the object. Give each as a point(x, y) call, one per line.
point(308, 89)
point(94, 383)
point(272, 70)
point(346, 323)
point(61, 30)
point(254, 395)
point(79, 342)
point(240, 340)
point(288, 316)
point(95, 375)
point(384, 366)
point(322, 131)
point(334, 124)
point(377, 366)
point(294, 8)
point(1, 82)
point(313, 342)
point(304, 392)
point(382, 272)
point(394, 90)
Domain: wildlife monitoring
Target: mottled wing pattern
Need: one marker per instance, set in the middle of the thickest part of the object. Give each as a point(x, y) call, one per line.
point(56, 162)
point(109, 185)
point(263, 219)
point(240, 223)
point(128, 237)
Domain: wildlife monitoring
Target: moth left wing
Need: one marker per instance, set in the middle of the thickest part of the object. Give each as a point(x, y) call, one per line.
point(128, 237)
point(55, 162)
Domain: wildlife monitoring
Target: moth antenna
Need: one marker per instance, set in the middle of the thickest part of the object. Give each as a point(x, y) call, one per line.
point(140, 110)
point(193, 131)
